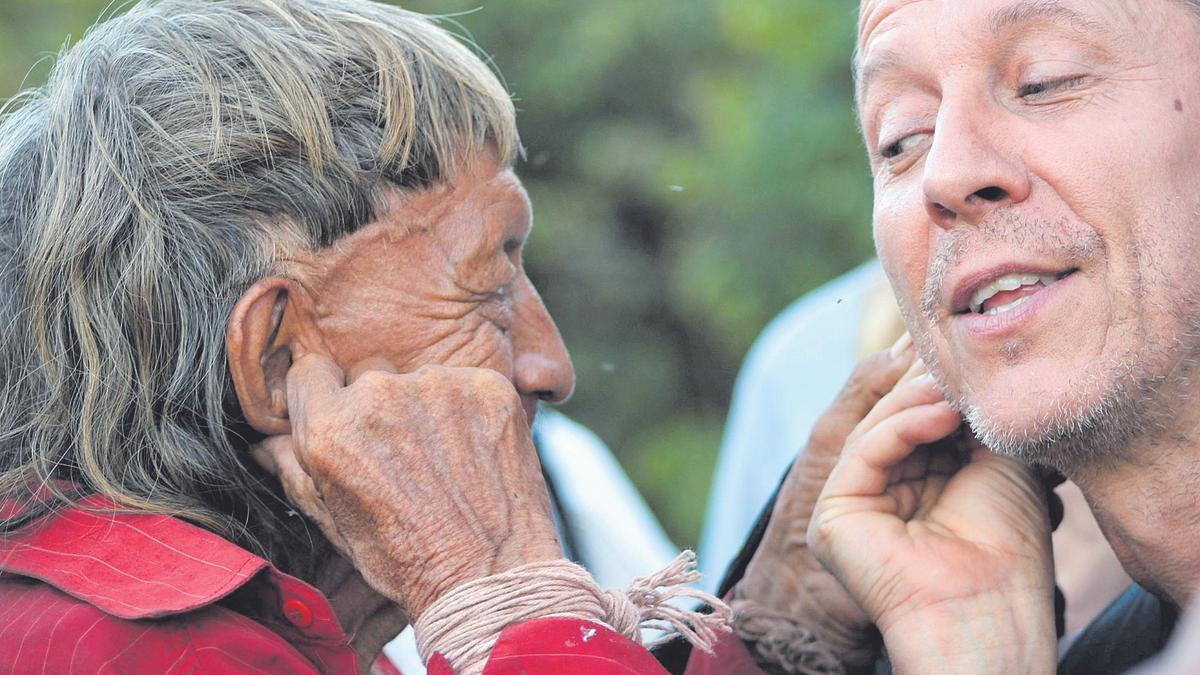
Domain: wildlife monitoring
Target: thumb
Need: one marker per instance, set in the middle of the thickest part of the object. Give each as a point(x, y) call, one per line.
point(263, 453)
point(277, 456)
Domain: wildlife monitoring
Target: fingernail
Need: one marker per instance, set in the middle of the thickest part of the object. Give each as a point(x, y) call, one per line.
point(901, 346)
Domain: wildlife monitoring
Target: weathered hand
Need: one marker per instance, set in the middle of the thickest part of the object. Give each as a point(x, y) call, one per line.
point(423, 480)
point(784, 576)
point(946, 548)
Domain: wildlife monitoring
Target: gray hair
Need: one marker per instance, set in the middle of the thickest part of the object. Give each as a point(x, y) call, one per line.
point(148, 184)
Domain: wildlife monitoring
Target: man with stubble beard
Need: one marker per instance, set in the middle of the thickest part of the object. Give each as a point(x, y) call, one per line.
point(1036, 169)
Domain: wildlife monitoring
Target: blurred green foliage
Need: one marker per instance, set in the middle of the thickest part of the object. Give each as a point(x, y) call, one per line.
point(694, 166)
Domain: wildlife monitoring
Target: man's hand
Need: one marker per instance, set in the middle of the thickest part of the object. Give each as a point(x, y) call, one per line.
point(424, 480)
point(784, 576)
point(946, 549)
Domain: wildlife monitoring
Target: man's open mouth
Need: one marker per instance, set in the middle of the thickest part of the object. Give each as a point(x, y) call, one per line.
point(1007, 292)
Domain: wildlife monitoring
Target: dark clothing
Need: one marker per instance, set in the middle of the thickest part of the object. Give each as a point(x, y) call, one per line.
point(1134, 628)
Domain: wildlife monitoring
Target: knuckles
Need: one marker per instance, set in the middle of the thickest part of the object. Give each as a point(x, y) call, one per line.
point(820, 533)
point(365, 448)
point(431, 386)
point(863, 389)
point(828, 435)
point(427, 402)
point(869, 377)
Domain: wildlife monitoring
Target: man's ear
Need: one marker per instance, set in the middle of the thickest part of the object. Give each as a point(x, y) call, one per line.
point(272, 320)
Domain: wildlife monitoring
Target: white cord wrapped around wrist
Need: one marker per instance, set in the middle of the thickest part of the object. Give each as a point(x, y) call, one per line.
point(464, 624)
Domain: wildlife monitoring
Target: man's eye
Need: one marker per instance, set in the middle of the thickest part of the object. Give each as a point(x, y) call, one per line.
point(1035, 88)
point(903, 145)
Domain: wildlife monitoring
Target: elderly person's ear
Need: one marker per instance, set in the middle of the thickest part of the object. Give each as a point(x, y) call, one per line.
point(272, 321)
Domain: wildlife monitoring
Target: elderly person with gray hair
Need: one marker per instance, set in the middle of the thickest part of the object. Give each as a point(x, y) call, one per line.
point(271, 357)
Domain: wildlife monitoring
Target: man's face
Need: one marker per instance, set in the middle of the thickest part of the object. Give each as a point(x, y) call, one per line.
point(1037, 185)
point(439, 280)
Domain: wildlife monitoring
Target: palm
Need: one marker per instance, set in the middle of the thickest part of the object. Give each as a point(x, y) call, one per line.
point(963, 524)
point(937, 544)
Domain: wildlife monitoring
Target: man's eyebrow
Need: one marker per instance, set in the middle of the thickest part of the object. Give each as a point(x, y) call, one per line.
point(872, 69)
point(878, 63)
point(1030, 11)
point(999, 20)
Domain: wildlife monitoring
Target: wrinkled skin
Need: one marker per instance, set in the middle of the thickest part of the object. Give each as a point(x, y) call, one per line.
point(366, 462)
point(440, 280)
point(945, 546)
point(1042, 137)
point(1049, 140)
point(1066, 137)
point(784, 576)
point(397, 374)
point(826, 558)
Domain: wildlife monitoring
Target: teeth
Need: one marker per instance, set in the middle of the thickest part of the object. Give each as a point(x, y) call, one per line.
point(1005, 308)
point(1008, 282)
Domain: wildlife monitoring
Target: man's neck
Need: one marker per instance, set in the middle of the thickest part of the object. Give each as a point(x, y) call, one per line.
point(1149, 510)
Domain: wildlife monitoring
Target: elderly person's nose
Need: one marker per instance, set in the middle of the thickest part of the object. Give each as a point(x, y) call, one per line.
point(541, 365)
point(970, 171)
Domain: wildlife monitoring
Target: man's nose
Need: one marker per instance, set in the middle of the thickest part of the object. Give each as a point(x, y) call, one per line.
point(970, 171)
point(541, 365)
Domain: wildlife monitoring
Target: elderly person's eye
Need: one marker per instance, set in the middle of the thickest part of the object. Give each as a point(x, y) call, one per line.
point(312, 304)
point(498, 308)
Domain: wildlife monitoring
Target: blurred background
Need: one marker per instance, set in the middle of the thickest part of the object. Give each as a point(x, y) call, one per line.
point(694, 166)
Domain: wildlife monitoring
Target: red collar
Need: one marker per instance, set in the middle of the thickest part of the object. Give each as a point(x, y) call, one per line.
point(139, 565)
point(130, 565)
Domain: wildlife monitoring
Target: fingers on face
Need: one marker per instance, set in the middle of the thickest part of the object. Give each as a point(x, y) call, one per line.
point(914, 392)
point(871, 380)
point(902, 345)
point(917, 369)
point(376, 364)
point(866, 466)
point(311, 379)
point(927, 460)
point(298, 487)
point(874, 377)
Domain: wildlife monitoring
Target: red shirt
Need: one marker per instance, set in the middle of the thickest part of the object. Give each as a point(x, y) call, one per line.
point(730, 656)
point(87, 592)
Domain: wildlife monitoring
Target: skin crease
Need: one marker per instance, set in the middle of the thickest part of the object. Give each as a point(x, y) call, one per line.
point(1053, 157)
point(359, 361)
point(1045, 141)
point(784, 576)
point(439, 280)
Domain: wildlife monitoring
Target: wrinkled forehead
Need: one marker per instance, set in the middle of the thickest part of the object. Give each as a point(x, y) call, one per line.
point(872, 12)
point(895, 30)
point(881, 16)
